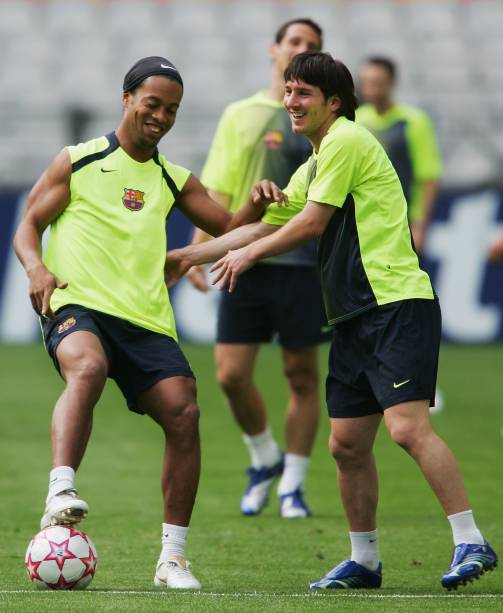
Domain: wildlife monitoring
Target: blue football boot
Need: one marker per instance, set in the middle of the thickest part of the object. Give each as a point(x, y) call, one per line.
point(350, 575)
point(469, 562)
point(293, 505)
point(257, 492)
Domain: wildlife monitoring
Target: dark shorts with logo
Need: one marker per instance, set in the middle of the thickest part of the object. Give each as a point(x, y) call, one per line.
point(383, 357)
point(274, 301)
point(138, 358)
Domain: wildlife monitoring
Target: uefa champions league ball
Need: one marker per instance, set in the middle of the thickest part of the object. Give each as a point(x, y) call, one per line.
point(61, 558)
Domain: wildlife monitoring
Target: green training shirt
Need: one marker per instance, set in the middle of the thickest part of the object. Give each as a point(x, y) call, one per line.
point(110, 241)
point(254, 141)
point(365, 254)
point(408, 137)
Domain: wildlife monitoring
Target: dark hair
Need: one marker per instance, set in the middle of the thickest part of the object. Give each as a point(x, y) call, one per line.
point(331, 76)
point(280, 34)
point(384, 62)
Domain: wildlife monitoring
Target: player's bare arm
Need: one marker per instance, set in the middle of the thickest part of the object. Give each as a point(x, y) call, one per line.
point(47, 200)
point(179, 261)
point(308, 224)
point(197, 274)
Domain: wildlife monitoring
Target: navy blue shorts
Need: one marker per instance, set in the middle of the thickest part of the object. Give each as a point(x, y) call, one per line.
point(384, 357)
point(274, 301)
point(138, 358)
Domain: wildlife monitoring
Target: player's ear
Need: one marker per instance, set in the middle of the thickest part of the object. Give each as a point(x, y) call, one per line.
point(125, 99)
point(335, 104)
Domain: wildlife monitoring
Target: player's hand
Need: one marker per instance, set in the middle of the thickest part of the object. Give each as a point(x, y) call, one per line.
point(418, 230)
point(495, 253)
point(175, 267)
point(231, 266)
point(266, 192)
point(197, 276)
point(42, 285)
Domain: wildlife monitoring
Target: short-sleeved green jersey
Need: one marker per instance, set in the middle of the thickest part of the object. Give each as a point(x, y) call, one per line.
point(408, 138)
point(365, 254)
point(254, 141)
point(110, 241)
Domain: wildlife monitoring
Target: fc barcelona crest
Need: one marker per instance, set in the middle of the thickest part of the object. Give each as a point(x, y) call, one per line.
point(133, 199)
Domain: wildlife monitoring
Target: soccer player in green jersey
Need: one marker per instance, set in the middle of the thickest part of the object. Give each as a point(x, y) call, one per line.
point(386, 317)
point(408, 137)
point(254, 141)
point(100, 292)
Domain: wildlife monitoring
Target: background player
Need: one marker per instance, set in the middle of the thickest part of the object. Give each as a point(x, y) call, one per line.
point(254, 141)
point(100, 292)
point(408, 137)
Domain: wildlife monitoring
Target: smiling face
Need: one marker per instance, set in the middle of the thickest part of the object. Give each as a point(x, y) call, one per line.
point(150, 111)
point(298, 38)
point(310, 112)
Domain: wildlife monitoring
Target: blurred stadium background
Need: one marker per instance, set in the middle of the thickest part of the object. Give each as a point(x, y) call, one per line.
point(60, 81)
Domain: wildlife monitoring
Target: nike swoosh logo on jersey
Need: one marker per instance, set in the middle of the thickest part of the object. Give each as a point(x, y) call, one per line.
point(107, 170)
point(396, 385)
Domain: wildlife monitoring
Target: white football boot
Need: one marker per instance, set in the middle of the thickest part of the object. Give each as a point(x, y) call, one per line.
point(64, 508)
point(175, 574)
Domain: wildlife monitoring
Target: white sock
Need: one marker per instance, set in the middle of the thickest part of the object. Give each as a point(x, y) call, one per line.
point(365, 548)
point(61, 478)
point(294, 473)
point(464, 529)
point(173, 541)
point(263, 449)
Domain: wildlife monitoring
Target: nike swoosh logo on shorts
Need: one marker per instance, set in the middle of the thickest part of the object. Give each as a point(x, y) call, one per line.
point(396, 385)
point(107, 170)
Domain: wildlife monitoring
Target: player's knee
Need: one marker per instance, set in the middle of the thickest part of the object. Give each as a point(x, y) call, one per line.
point(182, 420)
point(406, 434)
point(343, 451)
point(88, 368)
point(303, 381)
point(231, 378)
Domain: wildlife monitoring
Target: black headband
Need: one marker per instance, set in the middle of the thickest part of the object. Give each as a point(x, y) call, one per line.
point(147, 67)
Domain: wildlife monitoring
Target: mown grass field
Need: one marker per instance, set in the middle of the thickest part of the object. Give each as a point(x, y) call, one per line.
point(245, 564)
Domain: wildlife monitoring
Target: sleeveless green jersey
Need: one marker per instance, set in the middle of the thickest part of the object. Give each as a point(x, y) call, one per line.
point(109, 243)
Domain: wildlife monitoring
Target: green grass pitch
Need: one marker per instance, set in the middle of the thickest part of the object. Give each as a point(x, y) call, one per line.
point(245, 564)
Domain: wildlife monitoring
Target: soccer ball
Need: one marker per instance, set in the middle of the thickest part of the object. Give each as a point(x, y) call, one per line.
point(61, 558)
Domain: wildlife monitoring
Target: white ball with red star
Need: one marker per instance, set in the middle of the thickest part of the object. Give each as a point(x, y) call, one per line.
point(61, 558)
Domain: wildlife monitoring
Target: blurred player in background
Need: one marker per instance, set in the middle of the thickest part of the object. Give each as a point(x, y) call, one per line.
point(279, 297)
point(104, 308)
point(386, 317)
point(408, 136)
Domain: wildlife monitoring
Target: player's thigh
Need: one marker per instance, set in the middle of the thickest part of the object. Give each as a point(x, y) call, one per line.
point(81, 354)
point(235, 363)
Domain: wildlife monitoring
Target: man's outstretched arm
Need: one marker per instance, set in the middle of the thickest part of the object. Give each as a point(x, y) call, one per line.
point(308, 224)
